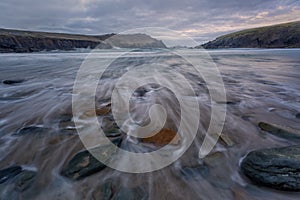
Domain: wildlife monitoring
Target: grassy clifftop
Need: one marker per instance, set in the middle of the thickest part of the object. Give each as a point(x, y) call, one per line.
point(285, 35)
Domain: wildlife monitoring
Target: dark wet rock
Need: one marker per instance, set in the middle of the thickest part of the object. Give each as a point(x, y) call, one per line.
point(194, 172)
point(280, 131)
point(278, 168)
point(14, 181)
point(136, 193)
point(110, 127)
point(24, 180)
point(84, 164)
point(9, 172)
point(141, 91)
point(12, 82)
point(111, 191)
point(33, 130)
point(297, 115)
point(227, 102)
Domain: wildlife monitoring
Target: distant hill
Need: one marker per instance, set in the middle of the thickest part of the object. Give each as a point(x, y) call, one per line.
point(285, 35)
point(31, 41)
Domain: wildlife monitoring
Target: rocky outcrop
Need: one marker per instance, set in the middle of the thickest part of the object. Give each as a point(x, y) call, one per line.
point(278, 168)
point(134, 41)
point(29, 41)
point(277, 36)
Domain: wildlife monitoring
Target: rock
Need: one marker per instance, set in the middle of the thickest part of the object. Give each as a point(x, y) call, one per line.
point(297, 115)
point(110, 127)
point(194, 172)
point(163, 137)
point(24, 180)
point(12, 82)
point(107, 190)
point(280, 131)
point(226, 140)
point(33, 130)
point(113, 192)
point(15, 180)
point(84, 164)
point(227, 102)
point(277, 168)
point(141, 91)
point(136, 193)
point(9, 172)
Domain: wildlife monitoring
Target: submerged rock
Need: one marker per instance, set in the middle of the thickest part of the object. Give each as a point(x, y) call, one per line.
point(14, 180)
point(111, 191)
point(24, 180)
point(194, 172)
point(33, 130)
point(278, 168)
point(163, 137)
point(84, 164)
point(136, 193)
point(110, 127)
point(11, 82)
point(280, 131)
point(9, 172)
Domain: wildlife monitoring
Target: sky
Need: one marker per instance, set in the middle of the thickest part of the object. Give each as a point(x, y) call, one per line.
point(203, 20)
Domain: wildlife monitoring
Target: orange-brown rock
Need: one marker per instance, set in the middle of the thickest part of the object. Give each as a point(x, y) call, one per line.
point(163, 137)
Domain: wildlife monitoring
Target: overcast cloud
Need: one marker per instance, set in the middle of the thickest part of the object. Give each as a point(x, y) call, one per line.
point(201, 19)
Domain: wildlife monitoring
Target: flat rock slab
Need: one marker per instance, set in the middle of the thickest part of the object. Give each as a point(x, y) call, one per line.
point(84, 164)
point(280, 131)
point(278, 168)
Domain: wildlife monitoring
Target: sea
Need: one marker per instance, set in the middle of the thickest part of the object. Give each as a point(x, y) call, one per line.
point(45, 99)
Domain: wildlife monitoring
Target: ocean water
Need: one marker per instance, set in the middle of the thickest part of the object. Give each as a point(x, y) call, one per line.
point(260, 84)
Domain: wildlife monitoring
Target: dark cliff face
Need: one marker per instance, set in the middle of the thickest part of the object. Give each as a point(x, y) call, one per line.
point(26, 41)
point(31, 44)
point(278, 36)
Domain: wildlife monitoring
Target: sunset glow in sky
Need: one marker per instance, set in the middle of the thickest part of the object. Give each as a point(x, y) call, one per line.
point(201, 19)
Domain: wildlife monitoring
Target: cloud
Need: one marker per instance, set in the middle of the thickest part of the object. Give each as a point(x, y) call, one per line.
point(200, 19)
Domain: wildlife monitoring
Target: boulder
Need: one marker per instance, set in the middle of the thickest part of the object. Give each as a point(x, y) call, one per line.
point(277, 168)
point(84, 164)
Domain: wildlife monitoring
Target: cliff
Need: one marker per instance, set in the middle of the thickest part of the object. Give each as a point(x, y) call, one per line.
point(285, 35)
point(31, 41)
